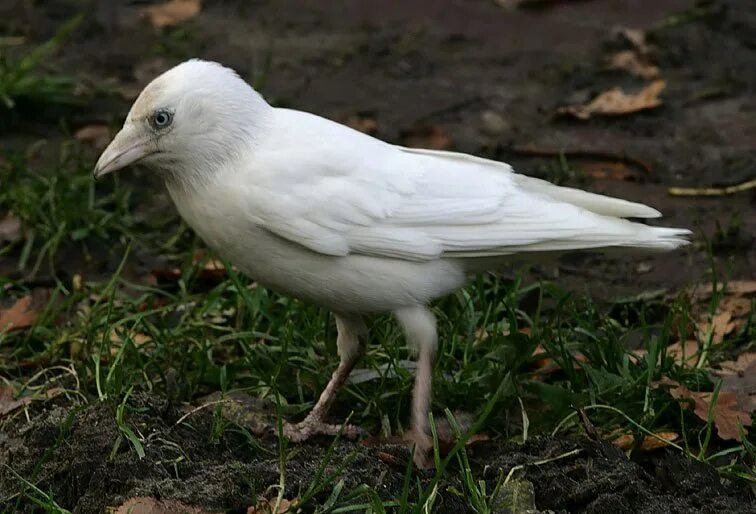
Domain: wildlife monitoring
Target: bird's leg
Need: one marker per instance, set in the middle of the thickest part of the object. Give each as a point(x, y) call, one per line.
point(350, 343)
point(419, 326)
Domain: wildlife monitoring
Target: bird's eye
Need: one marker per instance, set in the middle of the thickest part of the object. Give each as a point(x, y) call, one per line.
point(161, 119)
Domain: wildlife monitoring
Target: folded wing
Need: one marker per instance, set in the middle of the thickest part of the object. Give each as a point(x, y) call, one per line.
point(363, 196)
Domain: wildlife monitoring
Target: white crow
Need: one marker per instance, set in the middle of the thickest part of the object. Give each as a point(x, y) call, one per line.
point(314, 209)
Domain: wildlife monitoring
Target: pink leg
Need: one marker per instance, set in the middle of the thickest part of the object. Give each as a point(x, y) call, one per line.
point(350, 331)
point(419, 325)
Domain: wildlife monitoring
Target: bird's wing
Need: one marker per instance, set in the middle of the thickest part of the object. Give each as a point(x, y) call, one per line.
point(339, 192)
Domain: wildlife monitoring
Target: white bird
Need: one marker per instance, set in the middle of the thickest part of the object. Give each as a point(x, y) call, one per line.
point(314, 209)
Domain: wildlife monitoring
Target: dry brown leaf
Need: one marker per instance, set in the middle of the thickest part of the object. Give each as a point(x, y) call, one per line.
point(138, 339)
point(361, 123)
point(739, 377)
point(744, 362)
point(546, 365)
point(96, 135)
point(733, 287)
point(10, 228)
point(268, 506)
point(633, 63)
point(607, 170)
point(649, 443)
point(20, 315)
point(427, 136)
point(212, 269)
point(7, 403)
point(726, 413)
point(616, 102)
point(171, 13)
point(146, 505)
point(636, 37)
point(684, 354)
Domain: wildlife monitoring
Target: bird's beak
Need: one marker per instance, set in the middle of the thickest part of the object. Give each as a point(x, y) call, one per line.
point(126, 148)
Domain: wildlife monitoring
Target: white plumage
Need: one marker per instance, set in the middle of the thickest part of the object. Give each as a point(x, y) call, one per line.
point(318, 210)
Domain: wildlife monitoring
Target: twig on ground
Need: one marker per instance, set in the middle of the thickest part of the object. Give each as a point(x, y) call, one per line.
point(713, 191)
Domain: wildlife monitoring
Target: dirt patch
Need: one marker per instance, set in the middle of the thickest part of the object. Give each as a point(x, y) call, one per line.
point(80, 456)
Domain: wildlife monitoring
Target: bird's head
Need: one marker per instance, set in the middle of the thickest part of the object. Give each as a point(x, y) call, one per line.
point(187, 122)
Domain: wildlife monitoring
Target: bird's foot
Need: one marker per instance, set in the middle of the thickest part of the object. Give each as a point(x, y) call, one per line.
point(423, 448)
point(309, 427)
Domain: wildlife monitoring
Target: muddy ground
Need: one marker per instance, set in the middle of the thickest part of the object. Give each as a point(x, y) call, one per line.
point(490, 78)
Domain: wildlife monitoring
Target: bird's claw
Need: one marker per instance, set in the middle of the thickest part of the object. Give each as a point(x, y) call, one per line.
point(423, 446)
point(302, 431)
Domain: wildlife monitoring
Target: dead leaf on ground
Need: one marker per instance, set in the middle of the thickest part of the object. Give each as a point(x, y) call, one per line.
point(212, 269)
point(649, 443)
point(739, 377)
point(427, 136)
point(118, 338)
point(636, 37)
point(607, 170)
point(616, 102)
point(633, 63)
point(20, 315)
point(10, 228)
point(732, 311)
point(686, 353)
point(7, 403)
point(726, 414)
point(146, 505)
point(545, 365)
point(682, 354)
point(171, 13)
point(269, 507)
point(96, 135)
point(733, 287)
point(362, 123)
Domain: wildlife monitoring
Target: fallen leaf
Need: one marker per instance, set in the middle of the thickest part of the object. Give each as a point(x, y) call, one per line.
point(683, 354)
point(636, 37)
point(726, 414)
point(361, 123)
point(545, 365)
point(138, 339)
point(8, 404)
point(733, 287)
point(20, 315)
point(212, 269)
point(616, 102)
point(269, 507)
point(633, 63)
point(10, 228)
point(607, 170)
point(427, 136)
point(96, 135)
point(738, 367)
point(171, 13)
point(649, 443)
point(146, 505)
point(739, 377)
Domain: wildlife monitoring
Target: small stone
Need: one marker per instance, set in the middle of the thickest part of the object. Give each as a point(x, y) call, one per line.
point(494, 123)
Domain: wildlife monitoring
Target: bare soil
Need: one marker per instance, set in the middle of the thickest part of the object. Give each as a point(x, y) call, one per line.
point(489, 77)
point(75, 455)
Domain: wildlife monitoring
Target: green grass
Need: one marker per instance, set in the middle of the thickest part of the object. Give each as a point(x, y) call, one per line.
point(24, 78)
point(185, 339)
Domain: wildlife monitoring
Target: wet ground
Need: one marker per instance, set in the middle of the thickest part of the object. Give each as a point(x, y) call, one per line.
point(490, 78)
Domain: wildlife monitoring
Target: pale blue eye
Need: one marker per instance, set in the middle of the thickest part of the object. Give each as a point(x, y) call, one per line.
point(161, 119)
